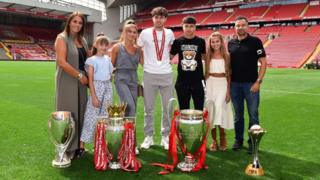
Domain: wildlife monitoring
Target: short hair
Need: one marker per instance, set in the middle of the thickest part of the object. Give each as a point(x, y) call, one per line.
point(159, 11)
point(189, 20)
point(242, 18)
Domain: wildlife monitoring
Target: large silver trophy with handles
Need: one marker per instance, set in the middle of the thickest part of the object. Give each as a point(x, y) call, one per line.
point(191, 132)
point(61, 129)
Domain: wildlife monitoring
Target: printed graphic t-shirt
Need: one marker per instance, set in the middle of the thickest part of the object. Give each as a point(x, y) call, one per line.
point(190, 68)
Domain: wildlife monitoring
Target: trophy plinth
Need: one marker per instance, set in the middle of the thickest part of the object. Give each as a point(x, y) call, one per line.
point(188, 164)
point(61, 161)
point(61, 131)
point(252, 170)
point(255, 168)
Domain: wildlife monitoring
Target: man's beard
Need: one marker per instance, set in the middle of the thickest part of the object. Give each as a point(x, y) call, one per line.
point(241, 32)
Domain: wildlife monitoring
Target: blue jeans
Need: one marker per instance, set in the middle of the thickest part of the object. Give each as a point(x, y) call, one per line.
point(240, 92)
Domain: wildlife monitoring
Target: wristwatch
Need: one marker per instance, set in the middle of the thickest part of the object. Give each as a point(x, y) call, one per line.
point(259, 81)
point(80, 75)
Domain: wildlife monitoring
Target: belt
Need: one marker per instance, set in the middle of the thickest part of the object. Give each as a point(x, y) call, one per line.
point(217, 74)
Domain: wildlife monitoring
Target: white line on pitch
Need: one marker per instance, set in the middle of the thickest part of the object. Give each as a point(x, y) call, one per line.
point(290, 92)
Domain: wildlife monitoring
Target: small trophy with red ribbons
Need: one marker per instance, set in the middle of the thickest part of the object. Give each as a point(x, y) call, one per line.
point(115, 141)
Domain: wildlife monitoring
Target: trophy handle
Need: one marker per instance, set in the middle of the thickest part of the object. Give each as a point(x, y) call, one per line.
point(50, 133)
point(173, 103)
point(209, 105)
point(72, 127)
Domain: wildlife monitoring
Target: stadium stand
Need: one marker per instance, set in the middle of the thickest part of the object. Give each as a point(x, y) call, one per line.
point(284, 12)
point(28, 51)
point(312, 12)
point(298, 44)
point(253, 14)
point(191, 3)
point(217, 18)
point(289, 24)
point(3, 52)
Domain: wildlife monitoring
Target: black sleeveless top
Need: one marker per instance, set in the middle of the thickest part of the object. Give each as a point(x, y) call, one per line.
point(82, 58)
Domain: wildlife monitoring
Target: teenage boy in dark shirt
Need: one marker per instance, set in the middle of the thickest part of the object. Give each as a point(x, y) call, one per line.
point(191, 50)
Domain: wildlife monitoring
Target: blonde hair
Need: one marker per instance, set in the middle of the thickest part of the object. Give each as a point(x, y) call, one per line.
point(101, 39)
point(223, 51)
point(126, 27)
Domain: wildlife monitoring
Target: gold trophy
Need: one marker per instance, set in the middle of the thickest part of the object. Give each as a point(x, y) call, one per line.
point(255, 168)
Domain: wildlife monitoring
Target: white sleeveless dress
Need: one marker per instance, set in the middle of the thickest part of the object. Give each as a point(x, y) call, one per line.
point(216, 90)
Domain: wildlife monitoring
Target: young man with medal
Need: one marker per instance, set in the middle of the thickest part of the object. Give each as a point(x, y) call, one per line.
point(156, 43)
point(191, 50)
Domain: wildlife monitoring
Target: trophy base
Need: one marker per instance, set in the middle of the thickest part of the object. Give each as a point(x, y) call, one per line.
point(63, 164)
point(114, 165)
point(187, 165)
point(252, 171)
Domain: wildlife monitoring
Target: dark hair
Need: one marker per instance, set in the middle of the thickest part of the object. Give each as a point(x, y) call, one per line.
point(70, 18)
point(159, 11)
point(189, 20)
point(102, 39)
point(242, 18)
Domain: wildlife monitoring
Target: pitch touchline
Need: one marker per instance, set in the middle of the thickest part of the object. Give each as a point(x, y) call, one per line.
point(290, 92)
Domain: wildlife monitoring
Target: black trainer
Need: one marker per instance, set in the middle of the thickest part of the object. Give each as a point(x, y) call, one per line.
point(237, 145)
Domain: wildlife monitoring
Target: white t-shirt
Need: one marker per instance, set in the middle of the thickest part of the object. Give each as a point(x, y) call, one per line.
point(145, 41)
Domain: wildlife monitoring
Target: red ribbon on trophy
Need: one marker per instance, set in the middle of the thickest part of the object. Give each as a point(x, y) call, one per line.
point(199, 155)
point(100, 148)
point(127, 154)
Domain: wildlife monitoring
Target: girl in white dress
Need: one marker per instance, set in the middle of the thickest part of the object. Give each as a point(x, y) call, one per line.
point(218, 89)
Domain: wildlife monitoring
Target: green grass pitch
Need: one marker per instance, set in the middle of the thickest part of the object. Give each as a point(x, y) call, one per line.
point(289, 110)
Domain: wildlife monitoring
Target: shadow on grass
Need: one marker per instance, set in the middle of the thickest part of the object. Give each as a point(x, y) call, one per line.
point(222, 165)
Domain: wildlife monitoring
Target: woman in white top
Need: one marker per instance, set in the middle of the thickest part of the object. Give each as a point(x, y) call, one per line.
point(218, 88)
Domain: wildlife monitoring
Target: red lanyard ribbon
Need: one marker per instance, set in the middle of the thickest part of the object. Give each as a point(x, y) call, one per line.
point(163, 40)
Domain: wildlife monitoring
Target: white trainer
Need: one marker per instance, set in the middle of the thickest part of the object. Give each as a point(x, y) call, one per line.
point(165, 142)
point(147, 142)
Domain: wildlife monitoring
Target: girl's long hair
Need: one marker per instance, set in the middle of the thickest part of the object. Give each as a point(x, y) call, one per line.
point(223, 51)
point(101, 40)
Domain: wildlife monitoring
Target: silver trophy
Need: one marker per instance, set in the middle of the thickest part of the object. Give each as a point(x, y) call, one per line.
point(114, 133)
point(255, 168)
point(191, 130)
point(61, 129)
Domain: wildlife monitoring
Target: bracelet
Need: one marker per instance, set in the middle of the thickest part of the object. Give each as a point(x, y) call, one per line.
point(80, 75)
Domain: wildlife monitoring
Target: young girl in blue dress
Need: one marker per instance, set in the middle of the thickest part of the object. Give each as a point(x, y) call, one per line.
point(99, 69)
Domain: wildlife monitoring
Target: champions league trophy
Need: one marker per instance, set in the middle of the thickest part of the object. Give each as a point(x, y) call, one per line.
point(61, 129)
point(192, 128)
point(114, 133)
point(255, 168)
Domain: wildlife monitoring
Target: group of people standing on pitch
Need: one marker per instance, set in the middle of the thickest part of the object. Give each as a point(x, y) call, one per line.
point(227, 74)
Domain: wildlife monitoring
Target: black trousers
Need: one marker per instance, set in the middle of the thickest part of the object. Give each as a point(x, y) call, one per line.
point(186, 91)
